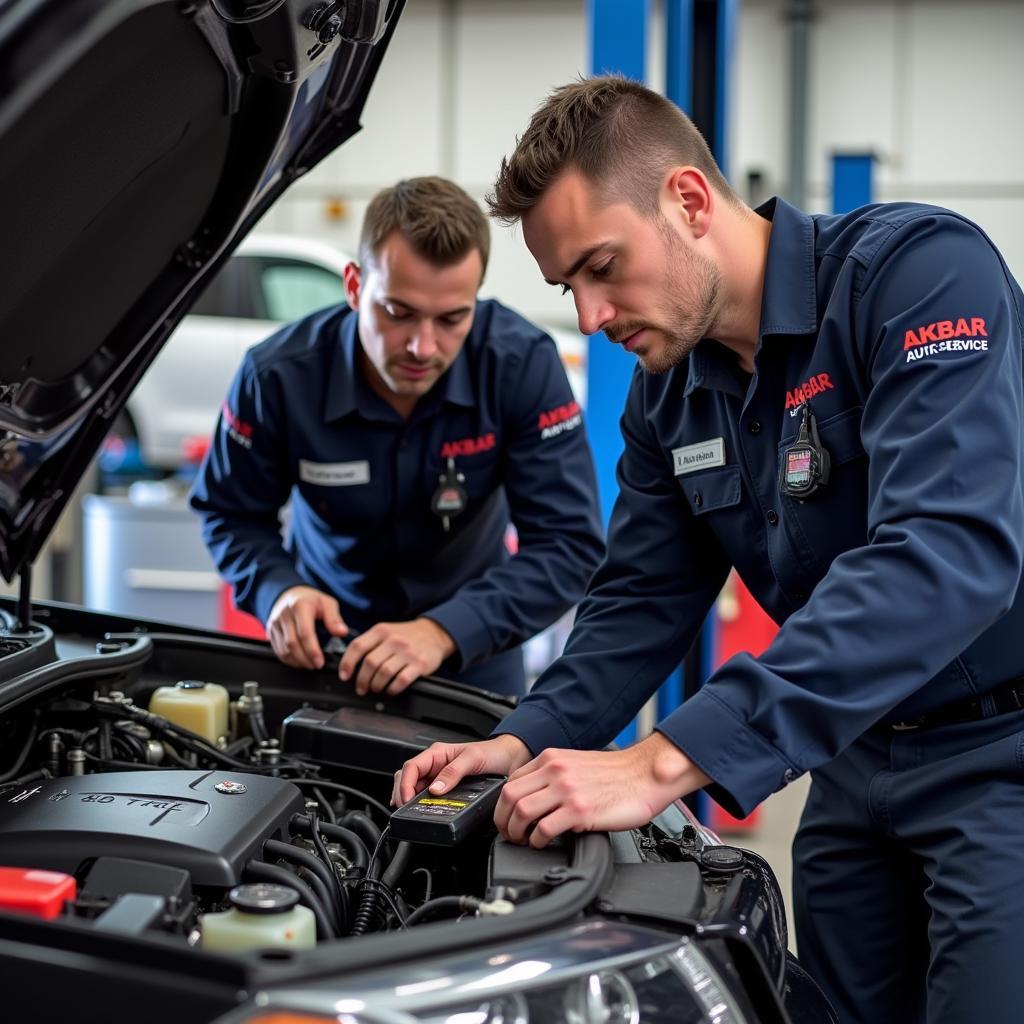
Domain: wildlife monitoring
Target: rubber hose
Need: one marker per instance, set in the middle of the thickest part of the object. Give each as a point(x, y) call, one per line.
point(264, 872)
point(353, 844)
point(442, 903)
point(285, 851)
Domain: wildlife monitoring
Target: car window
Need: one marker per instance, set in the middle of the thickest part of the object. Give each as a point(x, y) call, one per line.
point(292, 289)
point(219, 298)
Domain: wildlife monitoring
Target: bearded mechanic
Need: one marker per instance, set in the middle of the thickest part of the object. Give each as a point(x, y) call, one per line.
point(833, 405)
point(407, 429)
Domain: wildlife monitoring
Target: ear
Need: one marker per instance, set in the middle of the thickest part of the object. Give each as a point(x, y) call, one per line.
point(353, 278)
point(691, 200)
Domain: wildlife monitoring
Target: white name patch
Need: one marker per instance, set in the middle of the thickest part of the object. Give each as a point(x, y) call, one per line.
point(334, 474)
point(699, 456)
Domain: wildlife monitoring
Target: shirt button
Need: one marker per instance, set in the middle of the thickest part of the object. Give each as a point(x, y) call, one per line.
point(788, 776)
point(754, 426)
point(772, 517)
point(698, 499)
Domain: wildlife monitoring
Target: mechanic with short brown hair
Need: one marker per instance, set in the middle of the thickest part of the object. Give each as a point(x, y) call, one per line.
point(408, 430)
point(833, 406)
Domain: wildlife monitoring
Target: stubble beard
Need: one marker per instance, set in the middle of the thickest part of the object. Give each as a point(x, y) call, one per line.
point(684, 325)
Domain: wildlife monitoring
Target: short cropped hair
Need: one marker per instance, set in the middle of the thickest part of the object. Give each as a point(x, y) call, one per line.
point(441, 222)
point(618, 134)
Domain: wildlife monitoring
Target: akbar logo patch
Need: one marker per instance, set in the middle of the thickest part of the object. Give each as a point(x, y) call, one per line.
point(557, 421)
point(468, 446)
point(815, 385)
point(238, 430)
point(961, 335)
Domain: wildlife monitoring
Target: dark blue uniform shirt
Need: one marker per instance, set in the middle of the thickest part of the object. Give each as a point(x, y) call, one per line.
point(896, 588)
point(301, 422)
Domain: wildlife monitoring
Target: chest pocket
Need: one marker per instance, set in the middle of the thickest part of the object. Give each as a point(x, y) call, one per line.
point(840, 434)
point(347, 496)
point(712, 489)
point(835, 519)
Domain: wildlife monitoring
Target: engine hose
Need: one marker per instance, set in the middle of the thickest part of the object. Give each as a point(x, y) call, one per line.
point(354, 846)
point(341, 893)
point(258, 726)
point(260, 871)
point(369, 916)
point(337, 787)
point(363, 825)
point(443, 903)
point(285, 851)
point(162, 727)
point(22, 755)
point(323, 894)
point(106, 744)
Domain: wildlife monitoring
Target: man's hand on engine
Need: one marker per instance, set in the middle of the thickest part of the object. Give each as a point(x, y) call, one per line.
point(392, 655)
point(442, 765)
point(594, 790)
point(291, 626)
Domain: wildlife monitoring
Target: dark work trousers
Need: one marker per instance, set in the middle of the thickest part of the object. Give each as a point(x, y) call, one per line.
point(503, 673)
point(909, 876)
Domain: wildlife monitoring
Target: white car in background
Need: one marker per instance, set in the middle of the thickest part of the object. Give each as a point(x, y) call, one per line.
point(268, 281)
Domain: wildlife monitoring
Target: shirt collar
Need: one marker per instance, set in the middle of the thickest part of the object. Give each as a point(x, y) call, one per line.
point(712, 366)
point(789, 304)
point(348, 390)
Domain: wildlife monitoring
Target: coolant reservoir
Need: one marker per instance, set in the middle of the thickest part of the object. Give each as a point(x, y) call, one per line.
point(200, 707)
point(261, 915)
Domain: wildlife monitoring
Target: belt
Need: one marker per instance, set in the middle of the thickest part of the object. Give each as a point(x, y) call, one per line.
point(1003, 699)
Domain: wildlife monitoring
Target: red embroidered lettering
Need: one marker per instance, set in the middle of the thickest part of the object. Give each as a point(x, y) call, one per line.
point(815, 385)
point(559, 415)
point(468, 446)
point(944, 330)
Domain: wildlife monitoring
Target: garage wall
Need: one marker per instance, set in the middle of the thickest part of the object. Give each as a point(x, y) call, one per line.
point(932, 86)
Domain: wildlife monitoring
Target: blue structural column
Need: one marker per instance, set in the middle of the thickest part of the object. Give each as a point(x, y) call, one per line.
point(618, 44)
point(852, 180)
point(699, 40)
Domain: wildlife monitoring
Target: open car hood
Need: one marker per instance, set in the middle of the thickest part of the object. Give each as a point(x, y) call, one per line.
point(141, 140)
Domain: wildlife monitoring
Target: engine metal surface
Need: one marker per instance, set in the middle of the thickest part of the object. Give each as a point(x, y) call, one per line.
point(190, 820)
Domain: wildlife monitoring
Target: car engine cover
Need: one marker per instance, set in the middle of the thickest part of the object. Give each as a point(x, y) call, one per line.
point(209, 823)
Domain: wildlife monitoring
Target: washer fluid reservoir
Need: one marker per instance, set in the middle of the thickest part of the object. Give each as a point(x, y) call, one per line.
point(194, 705)
point(261, 915)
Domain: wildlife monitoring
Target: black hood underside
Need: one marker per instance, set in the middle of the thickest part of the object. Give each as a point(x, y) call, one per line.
point(140, 139)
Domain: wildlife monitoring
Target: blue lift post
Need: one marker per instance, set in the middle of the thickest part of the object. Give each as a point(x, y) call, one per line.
point(618, 44)
point(852, 180)
point(699, 39)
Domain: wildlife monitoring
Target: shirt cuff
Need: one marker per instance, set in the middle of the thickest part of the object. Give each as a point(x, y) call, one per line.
point(464, 625)
point(270, 588)
point(535, 727)
point(743, 766)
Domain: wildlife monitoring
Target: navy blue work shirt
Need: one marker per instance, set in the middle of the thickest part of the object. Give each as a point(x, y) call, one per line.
point(896, 587)
point(302, 423)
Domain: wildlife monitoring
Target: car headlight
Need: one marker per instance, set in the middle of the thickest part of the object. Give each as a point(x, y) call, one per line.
point(680, 987)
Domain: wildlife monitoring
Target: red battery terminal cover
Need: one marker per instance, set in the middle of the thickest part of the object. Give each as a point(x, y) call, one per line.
point(31, 891)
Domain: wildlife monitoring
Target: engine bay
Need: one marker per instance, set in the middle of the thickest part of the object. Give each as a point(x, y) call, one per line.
point(253, 797)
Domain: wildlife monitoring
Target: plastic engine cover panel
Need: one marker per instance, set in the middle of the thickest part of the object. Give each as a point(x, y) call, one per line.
point(178, 818)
